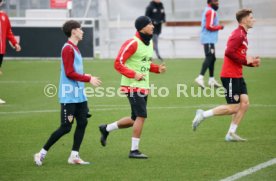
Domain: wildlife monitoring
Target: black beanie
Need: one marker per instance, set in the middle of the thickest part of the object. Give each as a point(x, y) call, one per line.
point(141, 22)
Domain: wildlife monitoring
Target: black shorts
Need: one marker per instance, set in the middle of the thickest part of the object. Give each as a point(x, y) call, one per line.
point(234, 87)
point(209, 49)
point(138, 103)
point(71, 111)
point(1, 59)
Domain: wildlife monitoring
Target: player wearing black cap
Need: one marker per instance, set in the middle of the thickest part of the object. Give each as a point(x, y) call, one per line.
point(134, 63)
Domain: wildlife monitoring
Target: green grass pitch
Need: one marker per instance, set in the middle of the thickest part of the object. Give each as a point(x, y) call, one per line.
point(175, 151)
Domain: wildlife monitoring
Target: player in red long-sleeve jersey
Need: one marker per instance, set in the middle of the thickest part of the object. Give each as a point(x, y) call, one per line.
point(5, 33)
point(232, 77)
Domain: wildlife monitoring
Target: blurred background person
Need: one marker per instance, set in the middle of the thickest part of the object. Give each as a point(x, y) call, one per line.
point(155, 10)
point(6, 33)
point(209, 37)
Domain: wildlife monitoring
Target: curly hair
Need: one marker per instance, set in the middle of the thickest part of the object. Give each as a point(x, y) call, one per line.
point(68, 26)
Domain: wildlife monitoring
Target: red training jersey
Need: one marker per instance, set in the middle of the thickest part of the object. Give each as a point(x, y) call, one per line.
point(210, 16)
point(68, 57)
point(126, 51)
point(235, 54)
point(5, 32)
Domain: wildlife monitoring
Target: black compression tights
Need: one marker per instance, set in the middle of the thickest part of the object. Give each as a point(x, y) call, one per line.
point(210, 59)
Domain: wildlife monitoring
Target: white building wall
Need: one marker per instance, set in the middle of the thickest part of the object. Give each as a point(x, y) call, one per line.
point(182, 42)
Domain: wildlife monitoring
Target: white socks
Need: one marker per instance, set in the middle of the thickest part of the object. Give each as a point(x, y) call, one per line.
point(200, 77)
point(209, 113)
point(74, 153)
point(211, 79)
point(112, 126)
point(233, 128)
point(135, 143)
point(43, 152)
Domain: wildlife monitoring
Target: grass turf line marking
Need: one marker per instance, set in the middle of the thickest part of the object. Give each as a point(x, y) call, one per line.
point(250, 170)
point(125, 107)
point(23, 82)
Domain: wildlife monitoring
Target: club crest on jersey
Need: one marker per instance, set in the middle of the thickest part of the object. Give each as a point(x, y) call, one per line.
point(70, 118)
point(236, 97)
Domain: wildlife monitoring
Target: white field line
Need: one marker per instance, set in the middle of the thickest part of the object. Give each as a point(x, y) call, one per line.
point(24, 82)
point(40, 82)
point(126, 107)
point(250, 170)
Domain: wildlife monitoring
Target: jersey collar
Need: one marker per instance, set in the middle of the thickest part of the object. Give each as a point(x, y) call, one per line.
point(242, 28)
